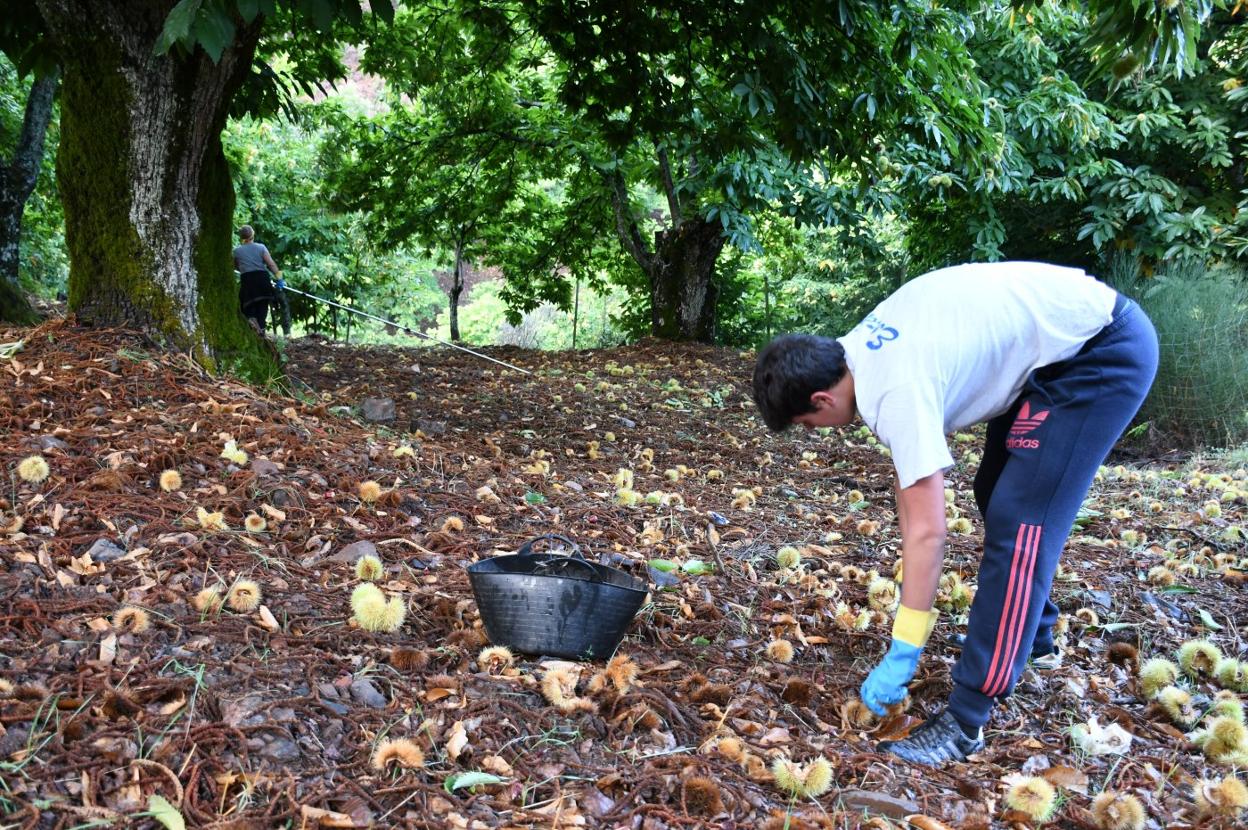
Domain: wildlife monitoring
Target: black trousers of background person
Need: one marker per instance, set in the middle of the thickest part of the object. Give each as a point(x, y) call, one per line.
point(255, 293)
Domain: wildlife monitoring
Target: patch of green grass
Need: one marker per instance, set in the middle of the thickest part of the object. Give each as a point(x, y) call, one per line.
point(1233, 458)
point(43, 728)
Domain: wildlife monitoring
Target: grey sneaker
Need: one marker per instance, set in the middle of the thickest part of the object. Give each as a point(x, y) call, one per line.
point(935, 742)
point(1047, 662)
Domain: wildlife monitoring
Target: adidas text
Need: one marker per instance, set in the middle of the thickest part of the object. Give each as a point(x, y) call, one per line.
point(1022, 444)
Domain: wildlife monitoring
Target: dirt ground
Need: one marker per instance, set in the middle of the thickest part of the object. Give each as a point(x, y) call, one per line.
point(127, 698)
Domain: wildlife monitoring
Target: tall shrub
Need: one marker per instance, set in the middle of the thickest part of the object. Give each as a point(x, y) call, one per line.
point(1200, 397)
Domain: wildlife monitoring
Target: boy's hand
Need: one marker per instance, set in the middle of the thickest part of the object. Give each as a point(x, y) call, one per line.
point(887, 682)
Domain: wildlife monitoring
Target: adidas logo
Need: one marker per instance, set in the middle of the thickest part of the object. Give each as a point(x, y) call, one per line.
point(1026, 422)
point(1023, 424)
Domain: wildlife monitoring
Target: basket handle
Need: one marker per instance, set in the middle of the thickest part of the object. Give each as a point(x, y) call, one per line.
point(550, 564)
point(526, 549)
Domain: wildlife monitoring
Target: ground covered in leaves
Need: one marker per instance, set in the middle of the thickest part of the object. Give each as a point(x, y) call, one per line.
point(181, 646)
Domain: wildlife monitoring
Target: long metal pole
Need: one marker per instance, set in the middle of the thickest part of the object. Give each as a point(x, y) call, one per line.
point(576, 312)
point(405, 329)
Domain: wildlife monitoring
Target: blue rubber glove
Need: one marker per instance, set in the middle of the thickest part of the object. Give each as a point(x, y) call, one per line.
point(886, 684)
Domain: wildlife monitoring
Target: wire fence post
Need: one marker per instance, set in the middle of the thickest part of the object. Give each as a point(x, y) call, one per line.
point(576, 311)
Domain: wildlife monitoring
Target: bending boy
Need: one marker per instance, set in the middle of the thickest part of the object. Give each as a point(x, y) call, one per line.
point(1057, 364)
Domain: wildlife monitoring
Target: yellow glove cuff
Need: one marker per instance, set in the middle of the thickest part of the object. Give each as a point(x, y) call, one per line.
point(913, 626)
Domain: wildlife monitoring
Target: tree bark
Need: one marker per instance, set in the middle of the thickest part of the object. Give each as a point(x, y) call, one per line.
point(145, 185)
point(683, 292)
point(680, 269)
point(17, 182)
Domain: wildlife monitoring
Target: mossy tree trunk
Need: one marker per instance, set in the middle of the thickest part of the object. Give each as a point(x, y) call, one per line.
point(683, 292)
point(17, 182)
point(15, 306)
point(145, 185)
point(680, 266)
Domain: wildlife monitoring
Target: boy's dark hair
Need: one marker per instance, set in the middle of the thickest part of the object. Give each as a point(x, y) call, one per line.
point(791, 369)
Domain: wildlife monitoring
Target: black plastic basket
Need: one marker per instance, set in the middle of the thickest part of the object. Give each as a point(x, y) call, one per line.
point(557, 604)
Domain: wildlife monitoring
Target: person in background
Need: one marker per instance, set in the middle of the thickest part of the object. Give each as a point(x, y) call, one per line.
point(1057, 364)
point(255, 291)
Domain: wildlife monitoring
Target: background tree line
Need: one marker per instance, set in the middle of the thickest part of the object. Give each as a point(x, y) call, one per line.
point(692, 170)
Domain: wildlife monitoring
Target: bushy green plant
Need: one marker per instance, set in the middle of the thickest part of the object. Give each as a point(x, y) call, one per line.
point(1200, 396)
point(1145, 161)
point(44, 268)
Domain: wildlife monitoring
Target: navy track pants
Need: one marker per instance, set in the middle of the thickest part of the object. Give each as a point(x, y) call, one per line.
point(1039, 462)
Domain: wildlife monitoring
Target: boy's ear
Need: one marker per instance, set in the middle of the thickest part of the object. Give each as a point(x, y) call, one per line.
point(822, 399)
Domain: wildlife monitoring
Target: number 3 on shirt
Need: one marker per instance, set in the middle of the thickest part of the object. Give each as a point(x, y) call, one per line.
point(882, 333)
point(885, 334)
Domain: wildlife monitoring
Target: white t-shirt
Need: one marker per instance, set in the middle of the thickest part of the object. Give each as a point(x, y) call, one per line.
point(954, 347)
